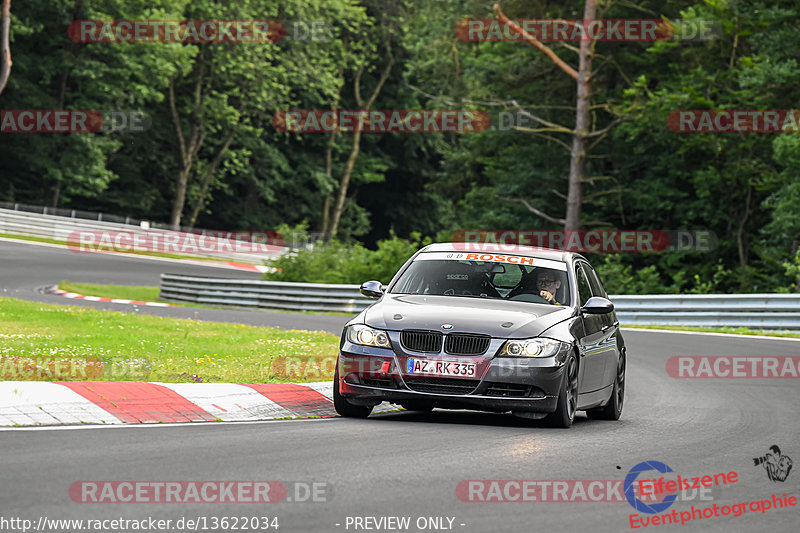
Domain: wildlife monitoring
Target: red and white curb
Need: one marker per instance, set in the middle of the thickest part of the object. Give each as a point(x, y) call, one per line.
point(252, 268)
point(58, 292)
point(31, 403)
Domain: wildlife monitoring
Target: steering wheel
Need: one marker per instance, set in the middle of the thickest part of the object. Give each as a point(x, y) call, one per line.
point(527, 297)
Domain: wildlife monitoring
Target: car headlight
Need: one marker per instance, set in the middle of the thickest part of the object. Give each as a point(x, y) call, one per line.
point(366, 336)
point(538, 347)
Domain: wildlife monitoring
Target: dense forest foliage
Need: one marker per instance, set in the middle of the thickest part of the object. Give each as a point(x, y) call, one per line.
point(211, 156)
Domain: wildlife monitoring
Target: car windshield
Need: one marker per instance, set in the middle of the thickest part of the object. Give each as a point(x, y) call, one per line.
point(539, 281)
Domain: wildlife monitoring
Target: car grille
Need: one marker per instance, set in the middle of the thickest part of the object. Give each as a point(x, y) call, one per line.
point(513, 390)
point(442, 385)
point(382, 383)
point(421, 341)
point(466, 344)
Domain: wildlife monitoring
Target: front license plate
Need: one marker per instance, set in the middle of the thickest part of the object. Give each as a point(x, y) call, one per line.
point(441, 368)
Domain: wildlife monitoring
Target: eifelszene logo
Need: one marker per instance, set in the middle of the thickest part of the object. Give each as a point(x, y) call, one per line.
point(630, 481)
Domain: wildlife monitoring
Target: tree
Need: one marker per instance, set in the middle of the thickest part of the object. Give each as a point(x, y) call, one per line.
point(233, 85)
point(5, 47)
point(361, 53)
point(362, 105)
point(53, 72)
point(582, 129)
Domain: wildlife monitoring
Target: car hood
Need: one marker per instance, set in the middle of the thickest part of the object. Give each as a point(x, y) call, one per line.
point(498, 318)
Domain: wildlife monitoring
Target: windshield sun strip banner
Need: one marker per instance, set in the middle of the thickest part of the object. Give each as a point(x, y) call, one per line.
point(493, 258)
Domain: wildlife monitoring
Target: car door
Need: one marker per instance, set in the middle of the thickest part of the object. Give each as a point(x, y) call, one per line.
point(592, 361)
point(610, 328)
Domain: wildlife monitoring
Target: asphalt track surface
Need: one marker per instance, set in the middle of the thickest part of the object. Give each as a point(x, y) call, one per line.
point(407, 464)
point(25, 269)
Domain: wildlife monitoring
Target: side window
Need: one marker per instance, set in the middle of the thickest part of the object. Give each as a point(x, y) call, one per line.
point(584, 291)
point(594, 281)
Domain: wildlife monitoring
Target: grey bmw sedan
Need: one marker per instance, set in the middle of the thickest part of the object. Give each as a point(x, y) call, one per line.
point(518, 329)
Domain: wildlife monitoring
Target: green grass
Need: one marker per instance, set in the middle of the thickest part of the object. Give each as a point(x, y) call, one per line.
point(720, 329)
point(144, 293)
point(59, 343)
point(127, 292)
point(132, 252)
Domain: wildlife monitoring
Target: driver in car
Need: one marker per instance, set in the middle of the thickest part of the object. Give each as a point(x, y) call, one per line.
point(547, 284)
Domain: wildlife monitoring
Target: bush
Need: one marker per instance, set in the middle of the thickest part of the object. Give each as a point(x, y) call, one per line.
point(619, 278)
point(793, 272)
point(337, 262)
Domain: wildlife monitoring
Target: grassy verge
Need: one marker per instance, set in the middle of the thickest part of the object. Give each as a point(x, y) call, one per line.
point(145, 293)
point(126, 292)
point(57, 343)
point(721, 329)
point(104, 248)
point(141, 293)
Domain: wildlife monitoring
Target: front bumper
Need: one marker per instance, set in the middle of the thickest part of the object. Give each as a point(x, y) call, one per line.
point(369, 375)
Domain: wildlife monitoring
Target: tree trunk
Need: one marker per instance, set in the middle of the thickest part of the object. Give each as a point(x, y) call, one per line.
point(577, 155)
point(180, 198)
point(206, 180)
point(56, 194)
point(5, 46)
point(326, 205)
point(326, 216)
point(581, 132)
point(186, 151)
point(351, 161)
point(62, 94)
point(348, 171)
point(740, 236)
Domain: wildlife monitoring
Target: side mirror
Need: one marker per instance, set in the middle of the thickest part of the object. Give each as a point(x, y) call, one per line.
point(372, 289)
point(597, 305)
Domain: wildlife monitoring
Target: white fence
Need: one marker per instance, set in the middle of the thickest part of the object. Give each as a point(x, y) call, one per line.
point(64, 228)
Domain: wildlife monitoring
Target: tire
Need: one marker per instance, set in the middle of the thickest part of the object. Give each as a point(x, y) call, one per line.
point(567, 396)
point(420, 406)
point(342, 406)
point(613, 409)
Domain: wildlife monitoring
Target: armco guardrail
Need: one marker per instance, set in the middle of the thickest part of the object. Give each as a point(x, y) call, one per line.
point(94, 219)
point(764, 311)
point(263, 294)
point(61, 228)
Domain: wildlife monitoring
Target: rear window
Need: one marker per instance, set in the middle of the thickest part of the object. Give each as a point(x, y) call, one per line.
point(505, 277)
